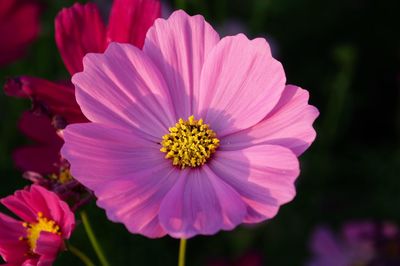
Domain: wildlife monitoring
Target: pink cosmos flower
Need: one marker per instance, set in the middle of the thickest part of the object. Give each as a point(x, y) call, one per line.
point(45, 222)
point(80, 30)
point(192, 135)
point(358, 243)
point(19, 26)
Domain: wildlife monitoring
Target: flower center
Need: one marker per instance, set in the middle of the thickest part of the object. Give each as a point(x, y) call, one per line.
point(33, 230)
point(189, 143)
point(63, 177)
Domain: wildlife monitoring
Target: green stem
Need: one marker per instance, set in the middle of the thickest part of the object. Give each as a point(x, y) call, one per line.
point(180, 4)
point(182, 251)
point(96, 246)
point(82, 256)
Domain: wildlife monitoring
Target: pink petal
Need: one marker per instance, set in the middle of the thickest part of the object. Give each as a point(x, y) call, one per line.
point(54, 208)
point(139, 196)
point(12, 249)
point(19, 27)
point(128, 173)
point(130, 20)
point(132, 93)
point(179, 46)
point(98, 153)
point(289, 125)
point(47, 246)
point(240, 84)
point(200, 203)
point(58, 98)
point(79, 30)
point(263, 175)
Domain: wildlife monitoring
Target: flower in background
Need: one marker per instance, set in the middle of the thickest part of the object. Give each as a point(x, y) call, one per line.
point(45, 222)
point(80, 30)
point(358, 243)
point(19, 27)
point(192, 135)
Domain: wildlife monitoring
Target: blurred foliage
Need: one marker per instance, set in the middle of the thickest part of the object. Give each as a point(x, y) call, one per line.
point(346, 53)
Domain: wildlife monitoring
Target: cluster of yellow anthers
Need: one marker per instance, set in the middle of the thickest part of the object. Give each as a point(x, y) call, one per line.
point(63, 177)
point(33, 230)
point(189, 143)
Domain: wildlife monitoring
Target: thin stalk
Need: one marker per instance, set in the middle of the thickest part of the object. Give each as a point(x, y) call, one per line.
point(82, 256)
point(182, 252)
point(93, 240)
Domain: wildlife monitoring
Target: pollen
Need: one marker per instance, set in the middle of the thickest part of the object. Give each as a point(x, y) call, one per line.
point(63, 177)
point(189, 143)
point(33, 230)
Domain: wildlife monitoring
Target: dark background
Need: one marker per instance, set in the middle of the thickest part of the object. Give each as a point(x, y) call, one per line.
point(346, 53)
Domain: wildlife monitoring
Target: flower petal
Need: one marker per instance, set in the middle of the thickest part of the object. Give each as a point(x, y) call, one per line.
point(39, 159)
point(263, 175)
point(107, 160)
point(79, 30)
point(200, 203)
point(289, 125)
point(132, 93)
point(139, 196)
point(240, 84)
point(47, 246)
point(39, 128)
point(12, 250)
point(58, 99)
point(130, 20)
point(178, 46)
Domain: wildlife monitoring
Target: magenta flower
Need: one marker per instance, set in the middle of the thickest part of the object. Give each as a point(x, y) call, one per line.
point(19, 27)
point(80, 30)
point(191, 135)
point(358, 243)
point(37, 239)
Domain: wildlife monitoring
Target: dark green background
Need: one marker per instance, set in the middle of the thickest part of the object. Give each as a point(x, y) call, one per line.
point(346, 53)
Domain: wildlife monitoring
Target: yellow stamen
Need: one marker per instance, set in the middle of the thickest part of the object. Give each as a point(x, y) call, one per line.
point(63, 177)
point(33, 230)
point(189, 143)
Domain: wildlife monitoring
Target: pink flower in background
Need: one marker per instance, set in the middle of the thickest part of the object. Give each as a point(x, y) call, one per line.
point(45, 222)
point(80, 30)
point(358, 243)
point(192, 135)
point(19, 27)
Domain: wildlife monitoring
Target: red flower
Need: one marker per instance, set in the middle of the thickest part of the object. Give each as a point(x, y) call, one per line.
point(19, 26)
